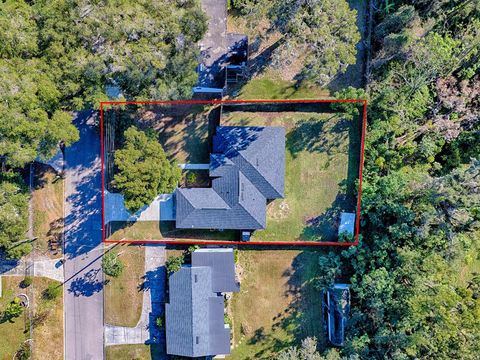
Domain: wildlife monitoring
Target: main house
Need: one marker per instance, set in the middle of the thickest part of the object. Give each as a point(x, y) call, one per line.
point(194, 317)
point(247, 168)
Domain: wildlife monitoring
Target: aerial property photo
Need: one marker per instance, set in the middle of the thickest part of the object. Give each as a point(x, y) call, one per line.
point(244, 171)
point(240, 179)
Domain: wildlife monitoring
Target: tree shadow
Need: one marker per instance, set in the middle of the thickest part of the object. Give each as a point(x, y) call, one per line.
point(83, 206)
point(312, 135)
point(324, 227)
point(87, 285)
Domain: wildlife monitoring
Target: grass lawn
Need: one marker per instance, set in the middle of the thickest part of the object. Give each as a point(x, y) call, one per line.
point(320, 171)
point(123, 295)
point(277, 306)
point(153, 230)
point(47, 202)
point(48, 335)
point(130, 352)
point(274, 88)
point(12, 334)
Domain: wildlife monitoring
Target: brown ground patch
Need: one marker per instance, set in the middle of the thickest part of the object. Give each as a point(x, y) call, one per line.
point(182, 130)
point(48, 336)
point(47, 202)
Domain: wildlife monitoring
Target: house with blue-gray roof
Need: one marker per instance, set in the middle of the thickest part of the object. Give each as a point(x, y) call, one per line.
point(247, 170)
point(194, 316)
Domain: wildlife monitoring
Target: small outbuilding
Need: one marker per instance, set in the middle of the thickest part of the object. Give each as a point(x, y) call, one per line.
point(347, 223)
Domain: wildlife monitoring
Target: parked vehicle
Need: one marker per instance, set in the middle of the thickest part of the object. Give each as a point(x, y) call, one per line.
point(335, 310)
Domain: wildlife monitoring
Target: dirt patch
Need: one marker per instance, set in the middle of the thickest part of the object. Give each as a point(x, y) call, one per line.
point(47, 204)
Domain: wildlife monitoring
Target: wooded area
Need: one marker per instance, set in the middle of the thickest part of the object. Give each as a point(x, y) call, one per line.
point(415, 290)
point(61, 56)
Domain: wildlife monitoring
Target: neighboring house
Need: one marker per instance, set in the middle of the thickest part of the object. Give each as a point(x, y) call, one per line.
point(194, 316)
point(247, 168)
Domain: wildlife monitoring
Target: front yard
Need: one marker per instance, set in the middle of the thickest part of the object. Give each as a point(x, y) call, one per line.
point(277, 305)
point(47, 320)
point(131, 352)
point(124, 295)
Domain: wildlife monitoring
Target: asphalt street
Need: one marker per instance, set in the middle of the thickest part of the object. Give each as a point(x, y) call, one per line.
point(83, 299)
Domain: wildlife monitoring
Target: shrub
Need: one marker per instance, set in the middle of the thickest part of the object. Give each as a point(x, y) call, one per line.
point(192, 248)
point(191, 178)
point(111, 264)
point(52, 291)
point(174, 263)
point(13, 310)
point(159, 322)
point(26, 282)
point(24, 352)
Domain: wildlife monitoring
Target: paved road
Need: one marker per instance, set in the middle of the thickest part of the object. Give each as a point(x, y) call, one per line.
point(83, 248)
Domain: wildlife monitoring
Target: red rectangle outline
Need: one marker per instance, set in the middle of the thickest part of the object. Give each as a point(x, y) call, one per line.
point(220, 242)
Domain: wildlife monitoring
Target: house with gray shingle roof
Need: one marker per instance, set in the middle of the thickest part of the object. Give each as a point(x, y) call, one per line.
point(194, 316)
point(247, 167)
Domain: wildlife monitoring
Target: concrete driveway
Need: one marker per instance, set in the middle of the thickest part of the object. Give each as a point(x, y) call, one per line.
point(83, 299)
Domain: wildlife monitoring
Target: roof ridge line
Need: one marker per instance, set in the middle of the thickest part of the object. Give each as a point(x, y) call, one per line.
point(256, 171)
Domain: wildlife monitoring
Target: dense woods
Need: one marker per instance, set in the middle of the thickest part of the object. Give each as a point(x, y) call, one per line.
point(61, 56)
point(415, 290)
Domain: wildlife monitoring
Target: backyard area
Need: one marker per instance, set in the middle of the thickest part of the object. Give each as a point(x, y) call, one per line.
point(47, 203)
point(124, 295)
point(47, 319)
point(277, 305)
point(322, 155)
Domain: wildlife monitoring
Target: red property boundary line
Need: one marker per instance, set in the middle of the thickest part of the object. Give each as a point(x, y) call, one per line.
point(220, 242)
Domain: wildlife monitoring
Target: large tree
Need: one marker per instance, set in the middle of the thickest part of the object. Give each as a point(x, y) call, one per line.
point(144, 170)
point(322, 34)
point(13, 216)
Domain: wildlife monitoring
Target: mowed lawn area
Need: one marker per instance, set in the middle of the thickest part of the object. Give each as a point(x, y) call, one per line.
point(124, 295)
point(321, 170)
point(47, 316)
point(277, 305)
point(11, 332)
point(131, 352)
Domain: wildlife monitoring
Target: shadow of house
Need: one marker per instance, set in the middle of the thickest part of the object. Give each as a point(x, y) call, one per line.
point(154, 281)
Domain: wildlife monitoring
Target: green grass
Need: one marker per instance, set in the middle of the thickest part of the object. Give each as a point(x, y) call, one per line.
point(153, 230)
point(12, 334)
point(267, 88)
point(48, 336)
point(123, 297)
point(130, 352)
point(277, 305)
point(320, 171)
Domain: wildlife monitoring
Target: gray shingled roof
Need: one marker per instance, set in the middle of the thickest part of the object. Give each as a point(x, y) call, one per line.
point(194, 317)
point(248, 168)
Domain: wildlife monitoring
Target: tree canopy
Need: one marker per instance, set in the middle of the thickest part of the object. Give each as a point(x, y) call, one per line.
point(62, 55)
point(323, 34)
point(144, 171)
point(415, 292)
